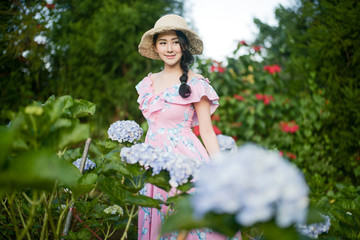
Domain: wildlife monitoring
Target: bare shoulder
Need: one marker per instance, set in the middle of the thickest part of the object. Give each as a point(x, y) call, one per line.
point(193, 75)
point(154, 76)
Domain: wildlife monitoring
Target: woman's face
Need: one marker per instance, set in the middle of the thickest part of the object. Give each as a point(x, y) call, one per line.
point(168, 47)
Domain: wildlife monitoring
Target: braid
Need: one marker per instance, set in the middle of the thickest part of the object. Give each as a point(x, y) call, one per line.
point(186, 60)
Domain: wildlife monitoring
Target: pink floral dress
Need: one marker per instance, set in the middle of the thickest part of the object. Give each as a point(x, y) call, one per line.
point(170, 118)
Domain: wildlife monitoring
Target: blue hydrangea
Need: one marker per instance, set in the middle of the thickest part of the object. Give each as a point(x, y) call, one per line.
point(88, 164)
point(180, 167)
point(226, 143)
point(315, 229)
point(253, 183)
point(125, 131)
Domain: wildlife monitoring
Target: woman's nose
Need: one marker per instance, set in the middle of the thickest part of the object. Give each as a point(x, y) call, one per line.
point(169, 48)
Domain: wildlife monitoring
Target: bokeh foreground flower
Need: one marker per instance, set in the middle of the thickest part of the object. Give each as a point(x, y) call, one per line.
point(180, 167)
point(125, 131)
point(255, 185)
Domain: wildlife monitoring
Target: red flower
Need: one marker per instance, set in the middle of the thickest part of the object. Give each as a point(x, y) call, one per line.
point(281, 153)
point(216, 130)
point(243, 43)
point(216, 67)
point(236, 124)
point(291, 155)
point(265, 98)
point(272, 69)
point(239, 97)
point(215, 117)
point(289, 127)
point(259, 96)
point(196, 130)
point(256, 48)
point(50, 6)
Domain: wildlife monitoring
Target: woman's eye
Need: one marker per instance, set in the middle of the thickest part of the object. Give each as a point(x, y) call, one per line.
point(176, 42)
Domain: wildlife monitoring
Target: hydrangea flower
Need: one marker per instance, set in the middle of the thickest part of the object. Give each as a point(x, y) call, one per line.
point(315, 229)
point(88, 164)
point(255, 185)
point(114, 209)
point(125, 131)
point(226, 143)
point(180, 167)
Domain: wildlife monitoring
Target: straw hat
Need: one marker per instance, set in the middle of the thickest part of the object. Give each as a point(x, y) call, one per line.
point(168, 23)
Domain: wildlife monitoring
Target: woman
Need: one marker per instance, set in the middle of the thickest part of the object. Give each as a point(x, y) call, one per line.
point(172, 101)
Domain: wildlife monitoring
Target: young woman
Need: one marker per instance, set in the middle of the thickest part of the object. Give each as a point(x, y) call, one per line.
point(173, 101)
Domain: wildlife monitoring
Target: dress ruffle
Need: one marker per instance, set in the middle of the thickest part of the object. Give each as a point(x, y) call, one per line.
point(149, 102)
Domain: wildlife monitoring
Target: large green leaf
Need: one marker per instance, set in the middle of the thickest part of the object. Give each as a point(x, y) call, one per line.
point(86, 183)
point(143, 201)
point(113, 162)
point(6, 139)
point(38, 169)
point(160, 180)
point(82, 108)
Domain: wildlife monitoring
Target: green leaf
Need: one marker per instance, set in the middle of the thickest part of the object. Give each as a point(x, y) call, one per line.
point(143, 201)
point(82, 108)
point(38, 169)
point(185, 187)
point(160, 180)
point(75, 134)
point(114, 163)
point(6, 139)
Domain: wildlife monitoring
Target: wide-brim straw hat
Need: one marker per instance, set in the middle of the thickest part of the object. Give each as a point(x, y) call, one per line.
point(168, 23)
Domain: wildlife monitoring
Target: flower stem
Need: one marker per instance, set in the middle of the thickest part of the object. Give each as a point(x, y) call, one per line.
point(30, 220)
point(124, 236)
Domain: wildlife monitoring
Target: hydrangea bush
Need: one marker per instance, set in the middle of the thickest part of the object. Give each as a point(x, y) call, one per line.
point(125, 131)
point(255, 185)
point(180, 167)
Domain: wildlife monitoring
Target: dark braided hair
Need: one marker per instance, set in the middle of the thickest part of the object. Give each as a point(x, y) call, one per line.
point(186, 59)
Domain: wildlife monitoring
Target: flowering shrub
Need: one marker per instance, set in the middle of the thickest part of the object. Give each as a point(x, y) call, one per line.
point(125, 131)
point(267, 187)
point(180, 167)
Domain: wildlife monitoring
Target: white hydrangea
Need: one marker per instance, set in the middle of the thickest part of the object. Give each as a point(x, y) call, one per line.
point(88, 164)
point(253, 183)
point(125, 131)
point(226, 143)
point(315, 229)
point(114, 209)
point(180, 167)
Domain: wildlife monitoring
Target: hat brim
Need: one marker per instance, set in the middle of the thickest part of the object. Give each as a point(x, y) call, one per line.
point(147, 49)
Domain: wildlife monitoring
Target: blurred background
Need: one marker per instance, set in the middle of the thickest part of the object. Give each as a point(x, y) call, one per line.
point(287, 73)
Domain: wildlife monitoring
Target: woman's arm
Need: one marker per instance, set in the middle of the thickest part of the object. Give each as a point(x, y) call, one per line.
point(207, 133)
